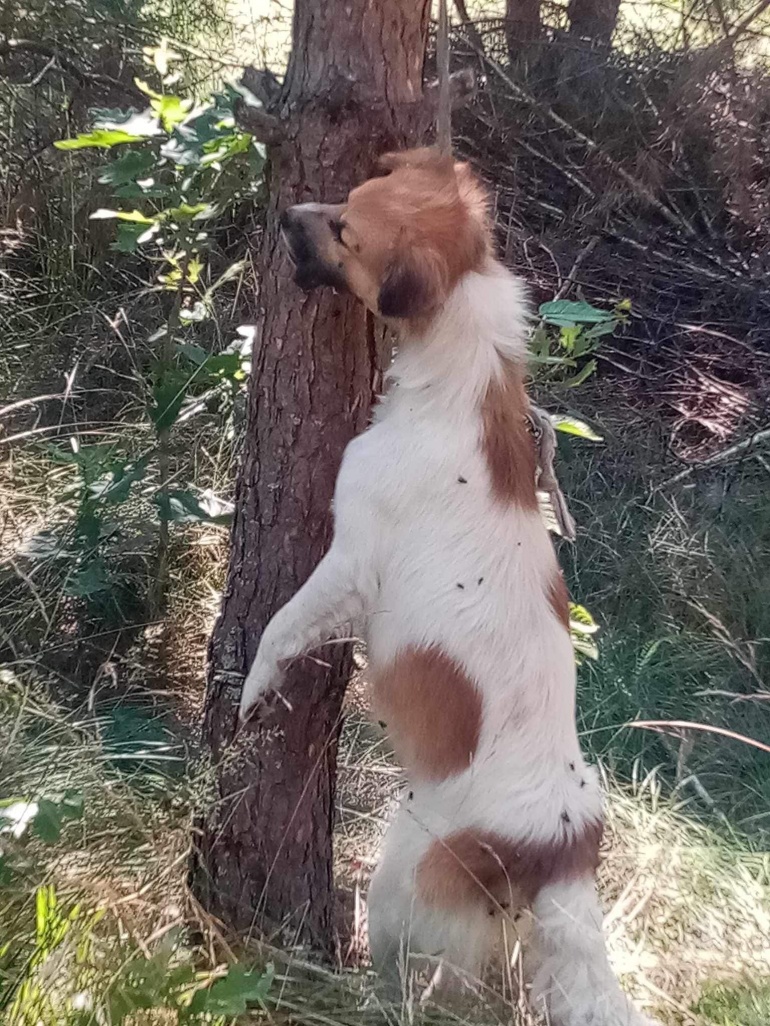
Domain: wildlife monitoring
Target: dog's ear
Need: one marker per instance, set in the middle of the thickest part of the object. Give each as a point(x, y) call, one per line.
point(414, 284)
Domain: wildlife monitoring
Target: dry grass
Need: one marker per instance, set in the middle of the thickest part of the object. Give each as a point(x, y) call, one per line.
point(685, 910)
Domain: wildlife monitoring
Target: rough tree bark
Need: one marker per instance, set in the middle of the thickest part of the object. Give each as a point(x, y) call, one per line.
point(593, 19)
point(522, 25)
point(588, 19)
point(263, 851)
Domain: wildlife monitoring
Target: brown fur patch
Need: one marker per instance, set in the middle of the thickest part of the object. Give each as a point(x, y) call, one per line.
point(471, 866)
point(432, 710)
point(507, 444)
point(558, 598)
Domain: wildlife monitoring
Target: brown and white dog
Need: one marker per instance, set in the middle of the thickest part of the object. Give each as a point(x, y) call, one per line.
point(441, 551)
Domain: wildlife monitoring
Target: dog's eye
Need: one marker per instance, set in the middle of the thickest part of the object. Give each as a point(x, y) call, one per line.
point(336, 228)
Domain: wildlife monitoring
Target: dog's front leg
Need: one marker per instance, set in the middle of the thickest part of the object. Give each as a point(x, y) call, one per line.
point(333, 595)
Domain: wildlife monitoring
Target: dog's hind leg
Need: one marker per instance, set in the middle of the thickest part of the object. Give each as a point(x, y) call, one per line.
point(390, 901)
point(406, 934)
point(572, 981)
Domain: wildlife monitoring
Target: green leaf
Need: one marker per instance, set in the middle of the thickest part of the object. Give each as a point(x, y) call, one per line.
point(171, 110)
point(230, 995)
point(584, 648)
point(581, 628)
point(573, 426)
point(188, 211)
point(7, 874)
point(127, 240)
point(89, 580)
point(112, 117)
point(565, 313)
point(257, 155)
point(132, 165)
point(598, 330)
point(552, 361)
point(47, 544)
point(142, 984)
point(217, 366)
point(581, 376)
point(580, 620)
point(568, 336)
point(195, 354)
point(226, 365)
point(205, 137)
point(115, 485)
point(100, 137)
point(47, 825)
point(168, 394)
point(146, 89)
point(223, 150)
point(134, 216)
point(114, 128)
point(89, 526)
point(585, 343)
point(7, 803)
point(146, 188)
point(72, 805)
point(182, 507)
point(194, 268)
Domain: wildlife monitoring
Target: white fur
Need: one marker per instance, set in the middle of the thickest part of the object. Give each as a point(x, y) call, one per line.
point(407, 532)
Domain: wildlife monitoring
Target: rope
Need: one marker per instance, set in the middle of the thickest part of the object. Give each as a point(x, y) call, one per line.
point(444, 109)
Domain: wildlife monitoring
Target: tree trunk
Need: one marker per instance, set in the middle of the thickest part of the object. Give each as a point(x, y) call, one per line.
point(522, 26)
point(593, 19)
point(263, 856)
point(469, 28)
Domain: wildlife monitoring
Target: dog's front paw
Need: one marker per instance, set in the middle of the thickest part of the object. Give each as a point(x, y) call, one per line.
point(263, 677)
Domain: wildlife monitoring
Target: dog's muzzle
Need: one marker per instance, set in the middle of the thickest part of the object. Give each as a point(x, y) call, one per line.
point(310, 270)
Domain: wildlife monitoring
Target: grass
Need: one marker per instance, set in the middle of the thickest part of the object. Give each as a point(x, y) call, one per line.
point(746, 1005)
point(679, 580)
point(688, 913)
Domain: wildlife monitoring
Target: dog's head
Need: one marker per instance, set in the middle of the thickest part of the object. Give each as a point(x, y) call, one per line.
point(401, 242)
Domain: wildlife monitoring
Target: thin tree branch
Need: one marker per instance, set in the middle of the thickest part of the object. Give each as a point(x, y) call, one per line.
point(86, 79)
point(637, 186)
point(263, 126)
point(580, 259)
point(745, 22)
point(707, 727)
point(469, 28)
point(462, 89)
point(262, 83)
point(740, 447)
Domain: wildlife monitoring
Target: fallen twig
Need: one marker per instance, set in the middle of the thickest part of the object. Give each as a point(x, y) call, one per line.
point(580, 259)
point(706, 727)
point(758, 438)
